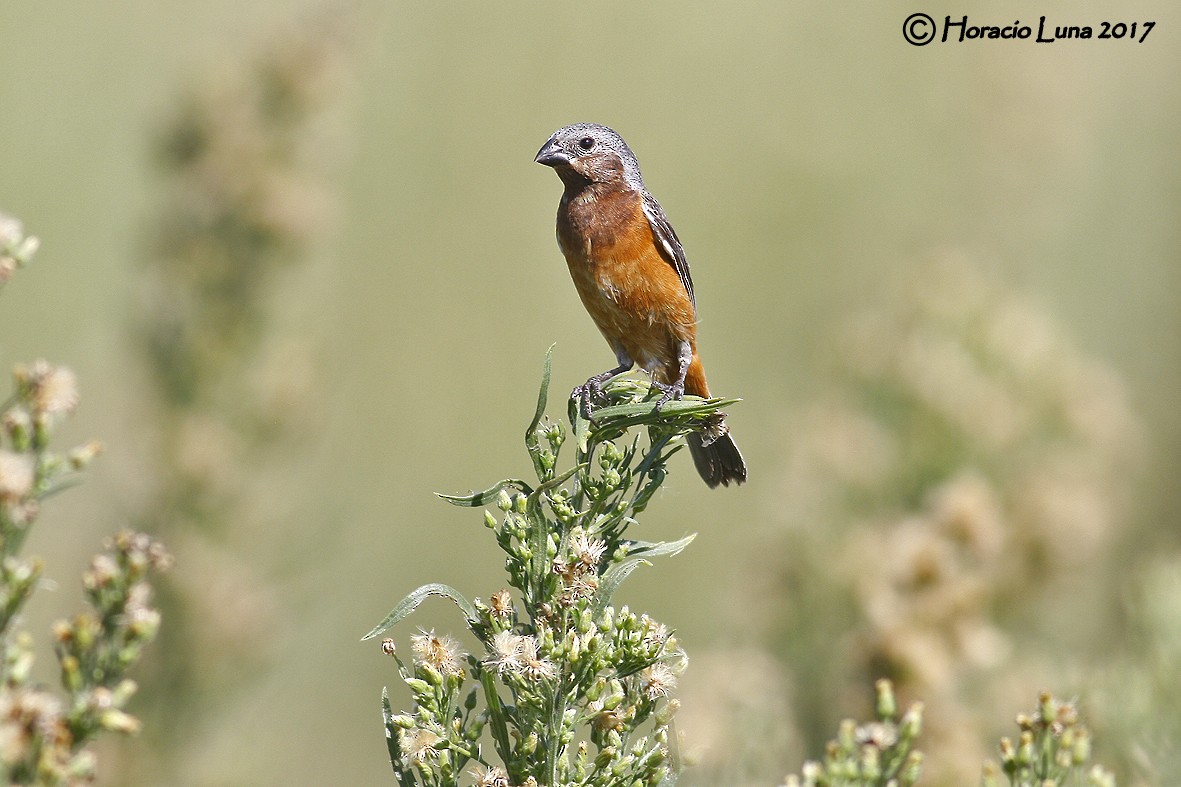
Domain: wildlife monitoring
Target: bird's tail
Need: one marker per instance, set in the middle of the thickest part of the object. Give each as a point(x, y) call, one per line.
point(716, 455)
point(714, 452)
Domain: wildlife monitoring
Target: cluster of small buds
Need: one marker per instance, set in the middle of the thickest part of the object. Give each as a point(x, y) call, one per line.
point(28, 469)
point(16, 248)
point(512, 534)
point(546, 454)
point(35, 739)
point(42, 738)
point(640, 640)
point(1054, 748)
point(880, 752)
point(611, 460)
point(96, 648)
point(439, 737)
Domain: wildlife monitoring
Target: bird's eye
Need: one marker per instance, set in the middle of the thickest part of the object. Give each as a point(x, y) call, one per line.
point(586, 143)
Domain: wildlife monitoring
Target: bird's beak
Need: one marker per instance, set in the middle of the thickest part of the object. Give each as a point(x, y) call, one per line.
point(552, 155)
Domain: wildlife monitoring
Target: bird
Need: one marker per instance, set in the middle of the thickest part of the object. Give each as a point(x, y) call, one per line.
point(631, 273)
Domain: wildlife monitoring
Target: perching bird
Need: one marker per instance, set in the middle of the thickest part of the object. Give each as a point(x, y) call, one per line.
point(631, 273)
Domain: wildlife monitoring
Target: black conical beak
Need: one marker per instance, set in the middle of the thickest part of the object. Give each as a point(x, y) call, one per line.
point(552, 155)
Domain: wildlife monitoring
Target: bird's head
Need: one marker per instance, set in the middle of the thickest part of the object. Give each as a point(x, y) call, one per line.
point(589, 153)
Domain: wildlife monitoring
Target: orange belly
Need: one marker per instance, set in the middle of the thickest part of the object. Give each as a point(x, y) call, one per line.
point(631, 292)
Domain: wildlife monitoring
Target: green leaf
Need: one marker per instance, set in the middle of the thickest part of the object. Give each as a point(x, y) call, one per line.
point(488, 496)
point(532, 443)
point(684, 411)
point(412, 601)
point(578, 425)
point(554, 732)
point(543, 393)
point(637, 556)
point(538, 530)
point(609, 422)
point(557, 480)
point(391, 742)
point(496, 716)
point(658, 548)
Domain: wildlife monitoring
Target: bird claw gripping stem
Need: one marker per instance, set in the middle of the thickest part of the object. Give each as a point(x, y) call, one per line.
point(668, 393)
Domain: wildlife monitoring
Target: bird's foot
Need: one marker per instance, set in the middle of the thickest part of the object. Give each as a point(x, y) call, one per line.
point(587, 393)
point(668, 392)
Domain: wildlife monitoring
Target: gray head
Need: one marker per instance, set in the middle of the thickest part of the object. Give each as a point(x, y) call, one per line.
point(589, 153)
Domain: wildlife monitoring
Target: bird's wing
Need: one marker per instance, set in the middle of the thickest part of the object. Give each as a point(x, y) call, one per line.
point(670, 244)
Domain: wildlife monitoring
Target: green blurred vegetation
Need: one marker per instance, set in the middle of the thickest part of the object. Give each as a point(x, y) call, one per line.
point(810, 160)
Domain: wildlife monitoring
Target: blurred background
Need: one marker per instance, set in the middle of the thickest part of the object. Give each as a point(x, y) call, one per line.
point(304, 267)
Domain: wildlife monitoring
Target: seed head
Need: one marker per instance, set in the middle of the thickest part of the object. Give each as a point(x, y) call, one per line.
point(442, 653)
point(657, 680)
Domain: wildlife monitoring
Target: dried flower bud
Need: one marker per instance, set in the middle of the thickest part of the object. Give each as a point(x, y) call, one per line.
point(1025, 751)
point(17, 475)
point(1081, 750)
point(1007, 751)
point(501, 605)
point(887, 706)
point(1097, 777)
point(143, 623)
point(490, 777)
point(18, 424)
point(664, 715)
point(441, 653)
point(912, 769)
point(83, 455)
point(49, 390)
point(871, 762)
point(102, 573)
point(657, 680)
point(912, 722)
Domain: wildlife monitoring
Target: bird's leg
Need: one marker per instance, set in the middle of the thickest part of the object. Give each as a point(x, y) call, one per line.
point(592, 389)
point(676, 389)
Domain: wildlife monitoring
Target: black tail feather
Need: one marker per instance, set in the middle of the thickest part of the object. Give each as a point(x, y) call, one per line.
point(719, 462)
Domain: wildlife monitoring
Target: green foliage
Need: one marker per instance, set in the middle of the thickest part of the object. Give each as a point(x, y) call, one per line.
point(43, 738)
point(951, 510)
point(242, 205)
point(574, 690)
point(878, 754)
point(1053, 750)
point(1135, 700)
